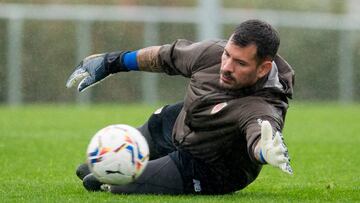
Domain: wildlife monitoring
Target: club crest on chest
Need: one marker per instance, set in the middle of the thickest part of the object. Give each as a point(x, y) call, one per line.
point(218, 107)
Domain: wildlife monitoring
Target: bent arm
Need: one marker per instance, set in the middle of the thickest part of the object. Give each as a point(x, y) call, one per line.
point(148, 59)
point(182, 57)
point(173, 59)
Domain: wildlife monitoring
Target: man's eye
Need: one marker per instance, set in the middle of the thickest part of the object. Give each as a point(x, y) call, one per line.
point(241, 63)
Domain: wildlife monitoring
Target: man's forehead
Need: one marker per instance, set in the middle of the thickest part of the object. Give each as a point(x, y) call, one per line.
point(241, 51)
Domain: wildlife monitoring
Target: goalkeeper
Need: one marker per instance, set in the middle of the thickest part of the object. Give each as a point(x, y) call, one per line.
point(229, 125)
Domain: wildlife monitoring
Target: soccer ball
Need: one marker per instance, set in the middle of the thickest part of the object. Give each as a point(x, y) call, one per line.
point(117, 154)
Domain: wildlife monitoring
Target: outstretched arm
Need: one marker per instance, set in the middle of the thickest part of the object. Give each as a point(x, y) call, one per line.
point(97, 67)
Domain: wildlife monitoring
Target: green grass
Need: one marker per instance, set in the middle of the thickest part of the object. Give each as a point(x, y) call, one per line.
point(40, 147)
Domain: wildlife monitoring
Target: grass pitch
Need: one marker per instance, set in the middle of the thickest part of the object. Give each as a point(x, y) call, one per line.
point(42, 145)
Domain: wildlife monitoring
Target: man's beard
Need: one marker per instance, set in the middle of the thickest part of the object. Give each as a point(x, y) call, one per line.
point(227, 76)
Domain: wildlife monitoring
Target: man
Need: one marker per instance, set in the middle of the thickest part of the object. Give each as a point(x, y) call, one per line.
point(230, 122)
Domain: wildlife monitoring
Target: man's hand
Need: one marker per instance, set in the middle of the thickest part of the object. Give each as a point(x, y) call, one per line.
point(95, 68)
point(273, 150)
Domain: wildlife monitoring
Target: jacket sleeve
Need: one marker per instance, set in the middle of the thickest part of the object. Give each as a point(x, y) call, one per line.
point(253, 134)
point(184, 57)
point(251, 126)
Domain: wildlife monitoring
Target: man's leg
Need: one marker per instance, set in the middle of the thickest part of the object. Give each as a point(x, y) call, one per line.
point(161, 176)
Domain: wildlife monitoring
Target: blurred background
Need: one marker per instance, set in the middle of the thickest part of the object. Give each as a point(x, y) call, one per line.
point(41, 41)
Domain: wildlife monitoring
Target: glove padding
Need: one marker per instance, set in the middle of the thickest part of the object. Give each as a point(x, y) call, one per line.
point(95, 68)
point(274, 150)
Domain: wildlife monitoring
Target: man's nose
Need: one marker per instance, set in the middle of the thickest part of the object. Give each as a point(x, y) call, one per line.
point(227, 66)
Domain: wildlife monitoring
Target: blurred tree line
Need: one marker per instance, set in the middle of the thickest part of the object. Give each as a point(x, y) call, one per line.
point(49, 52)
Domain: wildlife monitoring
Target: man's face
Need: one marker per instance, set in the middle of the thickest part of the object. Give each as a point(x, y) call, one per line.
point(239, 67)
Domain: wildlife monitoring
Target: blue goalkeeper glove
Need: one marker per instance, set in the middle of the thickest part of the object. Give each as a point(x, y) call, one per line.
point(272, 149)
point(95, 68)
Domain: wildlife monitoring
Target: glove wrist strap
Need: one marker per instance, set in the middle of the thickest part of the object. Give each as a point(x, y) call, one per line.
point(114, 63)
point(261, 157)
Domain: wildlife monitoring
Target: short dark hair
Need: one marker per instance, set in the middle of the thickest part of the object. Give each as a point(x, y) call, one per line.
point(259, 33)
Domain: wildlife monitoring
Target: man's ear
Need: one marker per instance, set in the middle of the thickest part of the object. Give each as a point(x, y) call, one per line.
point(264, 68)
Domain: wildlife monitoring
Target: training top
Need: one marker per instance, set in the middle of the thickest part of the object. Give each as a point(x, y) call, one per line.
point(220, 127)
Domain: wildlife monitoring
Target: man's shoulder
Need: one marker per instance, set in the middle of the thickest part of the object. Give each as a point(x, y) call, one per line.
point(211, 53)
point(208, 44)
point(215, 43)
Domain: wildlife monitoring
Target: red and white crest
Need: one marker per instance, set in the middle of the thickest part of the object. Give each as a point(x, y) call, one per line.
point(218, 107)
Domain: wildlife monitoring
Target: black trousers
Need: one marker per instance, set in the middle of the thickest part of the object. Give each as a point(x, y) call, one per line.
point(162, 175)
